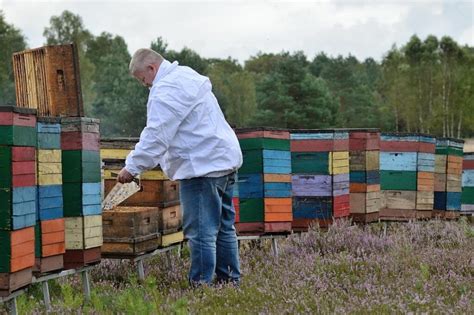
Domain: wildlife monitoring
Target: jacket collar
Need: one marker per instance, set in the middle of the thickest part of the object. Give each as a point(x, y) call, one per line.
point(165, 68)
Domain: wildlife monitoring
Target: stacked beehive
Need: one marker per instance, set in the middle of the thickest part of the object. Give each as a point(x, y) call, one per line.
point(398, 175)
point(425, 176)
point(320, 164)
point(467, 206)
point(18, 198)
point(448, 159)
point(81, 190)
point(50, 237)
point(264, 181)
point(150, 218)
point(364, 145)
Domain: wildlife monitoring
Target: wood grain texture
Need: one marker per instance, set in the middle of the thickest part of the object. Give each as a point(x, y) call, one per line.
point(398, 161)
point(83, 232)
point(424, 200)
point(170, 219)
point(399, 199)
point(10, 282)
point(47, 79)
point(425, 181)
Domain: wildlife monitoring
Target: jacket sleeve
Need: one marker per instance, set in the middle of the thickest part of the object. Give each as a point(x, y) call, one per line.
point(164, 116)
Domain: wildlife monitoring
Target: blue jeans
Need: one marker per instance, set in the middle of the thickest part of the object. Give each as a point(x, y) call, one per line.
point(208, 224)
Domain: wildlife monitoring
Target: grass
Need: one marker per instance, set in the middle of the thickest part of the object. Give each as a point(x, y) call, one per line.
point(422, 267)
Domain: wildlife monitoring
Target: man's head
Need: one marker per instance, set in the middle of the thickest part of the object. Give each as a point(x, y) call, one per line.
point(144, 65)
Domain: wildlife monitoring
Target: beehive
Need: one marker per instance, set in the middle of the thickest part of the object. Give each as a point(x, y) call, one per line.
point(425, 176)
point(320, 180)
point(47, 79)
point(264, 181)
point(130, 231)
point(365, 194)
point(448, 178)
point(398, 175)
point(82, 196)
point(18, 197)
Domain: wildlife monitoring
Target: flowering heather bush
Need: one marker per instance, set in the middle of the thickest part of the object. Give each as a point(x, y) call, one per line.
point(421, 267)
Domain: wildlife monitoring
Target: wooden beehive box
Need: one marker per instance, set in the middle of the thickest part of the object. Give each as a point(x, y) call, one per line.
point(170, 219)
point(83, 232)
point(50, 245)
point(130, 231)
point(47, 79)
point(17, 126)
point(49, 133)
point(17, 259)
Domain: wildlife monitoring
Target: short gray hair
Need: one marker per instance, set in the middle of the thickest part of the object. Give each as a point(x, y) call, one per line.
point(142, 58)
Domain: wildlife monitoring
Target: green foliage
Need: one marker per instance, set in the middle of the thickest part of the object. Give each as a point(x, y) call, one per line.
point(11, 40)
point(288, 95)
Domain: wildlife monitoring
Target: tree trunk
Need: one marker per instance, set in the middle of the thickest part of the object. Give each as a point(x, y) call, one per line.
point(459, 125)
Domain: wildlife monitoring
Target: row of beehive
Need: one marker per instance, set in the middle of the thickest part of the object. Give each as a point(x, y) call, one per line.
point(392, 175)
point(149, 219)
point(36, 169)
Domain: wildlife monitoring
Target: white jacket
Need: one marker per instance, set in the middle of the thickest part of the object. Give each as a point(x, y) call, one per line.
point(186, 132)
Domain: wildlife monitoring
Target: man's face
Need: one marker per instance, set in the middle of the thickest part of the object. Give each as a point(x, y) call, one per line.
point(146, 76)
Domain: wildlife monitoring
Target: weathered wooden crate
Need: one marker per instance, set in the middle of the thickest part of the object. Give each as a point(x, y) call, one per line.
point(49, 165)
point(81, 166)
point(83, 232)
point(130, 231)
point(18, 250)
point(74, 259)
point(50, 245)
point(318, 163)
point(82, 199)
point(278, 210)
point(10, 282)
point(155, 193)
point(80, 133)
point(18, 207)
point(17, 126)
point(266, 161)
point(425, 181)
point(312, 185)
point(17, 259)
point(50, 238)
point(49, 133)
point(170, 219)
point(340, 162)
point(17, 166)
point(364, 160)
point(399, 142)
point(398, 205)
point(362, 203)
point(47, 79)
point(254, 186)
point(364, 139)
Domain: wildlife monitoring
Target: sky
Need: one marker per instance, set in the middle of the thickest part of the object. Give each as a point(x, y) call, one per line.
point(241, 29)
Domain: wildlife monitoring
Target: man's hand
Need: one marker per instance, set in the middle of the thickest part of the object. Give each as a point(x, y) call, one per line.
point(124, 176)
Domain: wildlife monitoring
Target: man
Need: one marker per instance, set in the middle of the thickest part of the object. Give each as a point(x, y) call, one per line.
point(188, 136)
